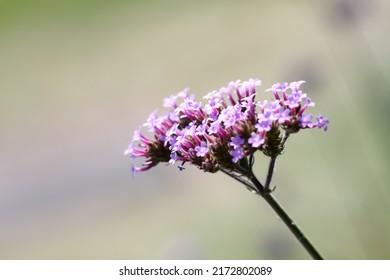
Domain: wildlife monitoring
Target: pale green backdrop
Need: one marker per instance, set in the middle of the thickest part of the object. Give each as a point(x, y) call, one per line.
point(77, 77)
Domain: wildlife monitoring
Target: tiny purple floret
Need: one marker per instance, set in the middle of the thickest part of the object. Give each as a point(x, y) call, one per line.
point(202, 150)
point(256, 140)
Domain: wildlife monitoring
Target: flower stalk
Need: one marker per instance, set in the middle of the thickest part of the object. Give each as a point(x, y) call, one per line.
point(265, 192)
point(292, 226)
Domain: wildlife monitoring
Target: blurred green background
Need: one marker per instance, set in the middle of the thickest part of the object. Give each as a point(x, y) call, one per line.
point(77, 77)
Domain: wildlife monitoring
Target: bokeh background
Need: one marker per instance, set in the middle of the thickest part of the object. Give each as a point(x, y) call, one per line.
point(77, 77)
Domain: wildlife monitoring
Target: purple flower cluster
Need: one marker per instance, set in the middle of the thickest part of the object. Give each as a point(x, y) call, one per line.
point(224, 131)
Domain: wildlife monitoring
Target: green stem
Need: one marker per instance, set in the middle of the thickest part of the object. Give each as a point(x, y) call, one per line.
point(245, 175)
point(270, 173)
point(292, 226)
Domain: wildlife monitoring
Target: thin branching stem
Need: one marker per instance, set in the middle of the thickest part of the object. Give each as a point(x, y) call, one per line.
point(242, 179)
point(292, 226)
point(247, 177)
point(271, 168)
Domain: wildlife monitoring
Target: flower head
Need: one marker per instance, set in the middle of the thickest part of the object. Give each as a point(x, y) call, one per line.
point(225, 131)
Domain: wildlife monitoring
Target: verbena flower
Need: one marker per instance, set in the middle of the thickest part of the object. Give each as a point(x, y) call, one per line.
point(225, 132)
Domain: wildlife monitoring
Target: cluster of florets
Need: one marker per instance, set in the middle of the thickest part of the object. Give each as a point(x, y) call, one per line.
point(227, 129)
